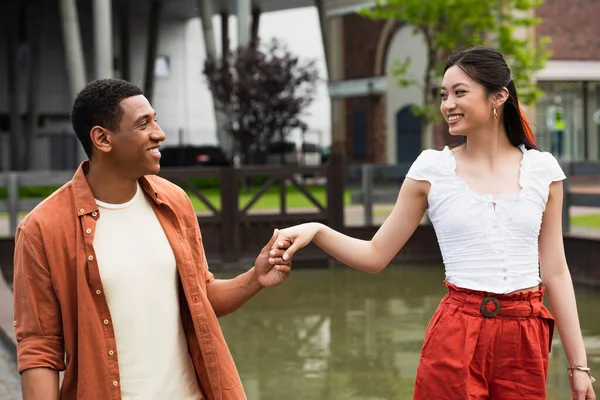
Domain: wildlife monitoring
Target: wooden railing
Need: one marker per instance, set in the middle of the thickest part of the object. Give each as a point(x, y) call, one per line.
point(381, 183)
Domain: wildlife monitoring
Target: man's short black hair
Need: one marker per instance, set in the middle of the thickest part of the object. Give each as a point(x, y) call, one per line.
point(98, 104)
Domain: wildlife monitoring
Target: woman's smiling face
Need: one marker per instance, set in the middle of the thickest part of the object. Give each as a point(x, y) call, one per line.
point(465, 105)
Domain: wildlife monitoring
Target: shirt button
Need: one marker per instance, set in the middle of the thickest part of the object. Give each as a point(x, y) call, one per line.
point(505, 278)
point(98, 291)
point(15, 323)
point(90, 258)
point(115, 383)
point(111, 353)
point(88, 230)
point(94, 214)
point(82, 210)
point(105, 322)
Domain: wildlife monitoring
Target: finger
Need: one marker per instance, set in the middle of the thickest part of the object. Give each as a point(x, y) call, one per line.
point(277, 252)
point(278, 261)
point(291, 250)
point(282, 242)
point(272, 241)
point(283, 268)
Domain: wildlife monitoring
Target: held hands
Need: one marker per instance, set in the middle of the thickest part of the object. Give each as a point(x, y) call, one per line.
point(266, 274)
point(289, 241)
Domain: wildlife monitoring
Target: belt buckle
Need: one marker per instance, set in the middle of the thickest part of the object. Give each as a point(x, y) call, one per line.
point(485, 312)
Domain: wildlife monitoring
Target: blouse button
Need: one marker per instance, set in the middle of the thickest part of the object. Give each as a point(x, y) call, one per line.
point(90, 258)
point(98, 291)
point(88, 230)
point(115, 383)
point(110, 352)
point(82, 210)
point(105, 322)
point(94, 214)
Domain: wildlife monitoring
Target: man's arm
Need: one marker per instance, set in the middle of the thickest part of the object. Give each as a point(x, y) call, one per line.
point(38, 326)
point(40, 384)
point(226, 296)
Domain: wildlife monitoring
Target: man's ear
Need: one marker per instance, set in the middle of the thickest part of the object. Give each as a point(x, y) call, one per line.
point(101, 139)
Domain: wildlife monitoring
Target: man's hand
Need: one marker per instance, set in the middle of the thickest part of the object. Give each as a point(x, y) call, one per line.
point(268, 272)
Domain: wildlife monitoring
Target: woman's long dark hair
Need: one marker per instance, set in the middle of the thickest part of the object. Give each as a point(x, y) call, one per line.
point(487, 67)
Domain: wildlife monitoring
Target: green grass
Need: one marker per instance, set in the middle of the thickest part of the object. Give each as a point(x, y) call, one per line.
point(586, 221)
point(269, 200)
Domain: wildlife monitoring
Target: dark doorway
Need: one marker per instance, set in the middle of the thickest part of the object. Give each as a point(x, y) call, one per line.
point(408, 135)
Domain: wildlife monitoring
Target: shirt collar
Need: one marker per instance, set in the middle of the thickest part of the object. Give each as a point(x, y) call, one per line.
point(84, 198)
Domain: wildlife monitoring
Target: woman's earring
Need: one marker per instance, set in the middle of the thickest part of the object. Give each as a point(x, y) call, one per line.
point(495, 114)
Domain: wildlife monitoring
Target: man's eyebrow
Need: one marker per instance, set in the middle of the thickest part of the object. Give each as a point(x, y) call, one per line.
point(455, 85)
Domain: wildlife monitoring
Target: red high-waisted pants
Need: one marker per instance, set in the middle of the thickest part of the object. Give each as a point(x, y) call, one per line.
point(501, 355)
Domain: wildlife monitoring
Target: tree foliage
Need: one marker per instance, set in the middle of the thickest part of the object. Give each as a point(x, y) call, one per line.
point(263, 90)
point(448, 25)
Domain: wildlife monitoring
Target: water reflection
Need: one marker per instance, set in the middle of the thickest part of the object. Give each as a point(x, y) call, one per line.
point(337, 333)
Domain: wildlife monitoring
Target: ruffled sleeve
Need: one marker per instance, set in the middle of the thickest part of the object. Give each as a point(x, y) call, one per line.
point(553, 170)
point(424, 168)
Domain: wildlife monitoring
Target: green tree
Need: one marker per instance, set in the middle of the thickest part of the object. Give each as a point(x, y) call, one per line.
point(264, 91)
point(448, 25)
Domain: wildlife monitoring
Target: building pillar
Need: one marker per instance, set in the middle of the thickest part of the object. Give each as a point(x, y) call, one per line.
point(225, 40)
point(73, 49)
point(103, 37)
point(205, 11)
point(242, 8)
point(125, 41)
point(74, 61)
point(255, 23)
point(335, 62)
point(152, 47)
point(322, 25)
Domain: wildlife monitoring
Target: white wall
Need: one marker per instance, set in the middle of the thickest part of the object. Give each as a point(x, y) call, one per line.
point(405, 44)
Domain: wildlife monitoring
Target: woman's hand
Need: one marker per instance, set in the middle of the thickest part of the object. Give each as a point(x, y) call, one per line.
point(296, 237)
point(581, 386)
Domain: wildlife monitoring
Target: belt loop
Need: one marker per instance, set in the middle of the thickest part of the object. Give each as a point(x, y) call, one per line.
point(536, 306)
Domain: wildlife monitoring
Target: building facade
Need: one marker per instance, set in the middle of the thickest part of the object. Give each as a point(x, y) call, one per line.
point(374, 123)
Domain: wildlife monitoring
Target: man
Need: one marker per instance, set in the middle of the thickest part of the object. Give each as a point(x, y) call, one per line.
point(111, 284)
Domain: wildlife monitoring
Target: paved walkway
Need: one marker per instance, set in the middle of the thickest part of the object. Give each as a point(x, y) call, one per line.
point(10, 381)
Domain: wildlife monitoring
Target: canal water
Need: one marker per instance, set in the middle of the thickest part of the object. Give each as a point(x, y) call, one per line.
point(341, 334)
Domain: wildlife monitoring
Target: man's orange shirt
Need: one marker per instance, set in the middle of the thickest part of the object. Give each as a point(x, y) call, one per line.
point(62, 320)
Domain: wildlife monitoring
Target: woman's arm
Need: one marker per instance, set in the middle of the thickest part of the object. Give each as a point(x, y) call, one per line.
point(557, 279)
point(367, 255)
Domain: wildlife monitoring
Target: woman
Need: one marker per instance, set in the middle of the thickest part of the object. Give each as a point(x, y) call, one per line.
point(495, 203)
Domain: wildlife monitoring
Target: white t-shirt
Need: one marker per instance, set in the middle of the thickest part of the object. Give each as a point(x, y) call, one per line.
point(139, 275)
point(488, 243)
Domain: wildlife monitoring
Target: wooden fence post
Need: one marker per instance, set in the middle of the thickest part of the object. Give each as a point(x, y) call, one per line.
point(566, 215)
point(230, 230)
point(336, 182)
point(367, 193)
point(13, 202)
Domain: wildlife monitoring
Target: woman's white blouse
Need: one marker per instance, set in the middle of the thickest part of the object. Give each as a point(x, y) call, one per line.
point(488, 243)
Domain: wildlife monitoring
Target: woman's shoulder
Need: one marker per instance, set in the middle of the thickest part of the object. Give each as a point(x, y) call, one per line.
point(430, 164)
point(543, 164)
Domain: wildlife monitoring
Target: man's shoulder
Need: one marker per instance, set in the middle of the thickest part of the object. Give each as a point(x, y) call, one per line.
point(50, 212)
point(166, 190)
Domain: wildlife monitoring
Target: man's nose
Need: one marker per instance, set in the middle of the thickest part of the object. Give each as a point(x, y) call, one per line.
point(159, 135)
